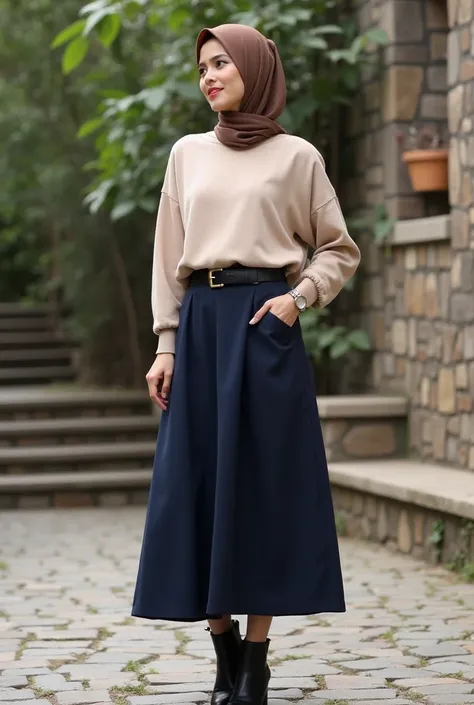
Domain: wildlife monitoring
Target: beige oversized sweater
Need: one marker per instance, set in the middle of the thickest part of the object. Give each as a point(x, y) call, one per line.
point(260, 207)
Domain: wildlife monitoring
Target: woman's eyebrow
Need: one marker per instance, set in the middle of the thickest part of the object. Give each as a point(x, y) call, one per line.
point(213, 58)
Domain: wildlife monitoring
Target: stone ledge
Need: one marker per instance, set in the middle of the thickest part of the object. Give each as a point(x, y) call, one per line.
point(434, 487)
point(47, 482)
point(420, 230)
point(41, 397)
point(364, 406)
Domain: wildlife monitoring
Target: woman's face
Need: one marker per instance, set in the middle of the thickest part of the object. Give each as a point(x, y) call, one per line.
point(220, 80)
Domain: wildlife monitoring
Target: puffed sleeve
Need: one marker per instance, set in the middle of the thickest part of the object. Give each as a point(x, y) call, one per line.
point(166, 291)
point(336, 255)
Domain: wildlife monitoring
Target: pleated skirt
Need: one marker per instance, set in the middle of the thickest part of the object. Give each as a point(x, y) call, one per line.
point(240, 517)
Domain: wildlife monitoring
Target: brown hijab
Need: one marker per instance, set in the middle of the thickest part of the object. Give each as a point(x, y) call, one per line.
point(260, 67)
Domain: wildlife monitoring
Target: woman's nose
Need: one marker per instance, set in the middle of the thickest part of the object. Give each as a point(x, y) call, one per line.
point(209, 77)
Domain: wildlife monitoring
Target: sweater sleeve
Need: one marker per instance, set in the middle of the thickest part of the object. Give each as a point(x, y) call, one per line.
point(166, 291)
point(336, 256)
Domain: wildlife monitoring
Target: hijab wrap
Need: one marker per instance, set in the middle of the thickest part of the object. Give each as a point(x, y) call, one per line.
point(260, 67)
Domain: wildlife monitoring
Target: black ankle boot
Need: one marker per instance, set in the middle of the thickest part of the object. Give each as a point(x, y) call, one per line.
point(227, 647)
point(251, 687)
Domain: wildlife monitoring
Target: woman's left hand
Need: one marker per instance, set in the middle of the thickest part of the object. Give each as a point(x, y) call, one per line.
point(283, 307)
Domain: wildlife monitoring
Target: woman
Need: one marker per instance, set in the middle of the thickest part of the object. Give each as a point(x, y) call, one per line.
point(240, 517)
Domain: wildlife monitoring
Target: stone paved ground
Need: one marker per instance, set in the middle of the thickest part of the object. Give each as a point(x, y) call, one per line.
point(66, 582)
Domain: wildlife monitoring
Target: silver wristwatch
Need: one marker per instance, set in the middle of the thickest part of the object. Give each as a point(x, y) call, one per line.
point(300, 300)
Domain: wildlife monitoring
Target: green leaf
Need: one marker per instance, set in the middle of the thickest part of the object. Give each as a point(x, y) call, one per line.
point(96, 198)
point(153, 98)
point(377, 35)
point(113, 93)
point(74, 54)
point(382, 229)
point(339, 349)
point(359, 339)
point(336, 55)
point(314, 43)
point(94, 19)
point(311, 340)
point(149, 205)
point(177, 18)
point(109, 28)
point(327, 337)
point(90, 126)
point(93, 6)
point(69, 33)
point(122, 209)
point(327, 29)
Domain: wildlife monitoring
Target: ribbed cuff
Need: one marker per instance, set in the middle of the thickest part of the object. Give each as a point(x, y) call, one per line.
point(310, 289)
point(166, 341)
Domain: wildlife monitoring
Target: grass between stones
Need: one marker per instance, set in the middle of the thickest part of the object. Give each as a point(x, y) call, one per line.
point(128, 689)
point(62, 627)
point(459, 675)
point(3, 565)
point(321, 682)
point(416, 697)
point(183, 640)
point(126, 622)
point(40, 693)
point(390, 636)
point(4, 615)
point(103, 633)
point(336, 702)
point(23, 644)
point(133, 667)
point(277, 660)
point(409, 694)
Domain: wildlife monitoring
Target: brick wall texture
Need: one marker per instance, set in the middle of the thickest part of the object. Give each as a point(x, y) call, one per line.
point(418, 300)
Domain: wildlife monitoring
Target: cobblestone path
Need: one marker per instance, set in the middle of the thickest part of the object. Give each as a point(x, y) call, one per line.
point(66, 583)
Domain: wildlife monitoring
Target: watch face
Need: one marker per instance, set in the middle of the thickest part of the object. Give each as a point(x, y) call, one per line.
point(301, 303)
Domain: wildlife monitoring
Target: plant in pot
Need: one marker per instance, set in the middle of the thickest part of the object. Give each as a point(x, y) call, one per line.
point(326, 344)
point(426, 158)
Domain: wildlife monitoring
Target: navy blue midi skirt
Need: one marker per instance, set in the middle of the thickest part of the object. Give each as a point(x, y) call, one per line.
point(240, 517)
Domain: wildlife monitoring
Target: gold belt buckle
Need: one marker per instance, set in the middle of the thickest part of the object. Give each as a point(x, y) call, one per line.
point(211, 275)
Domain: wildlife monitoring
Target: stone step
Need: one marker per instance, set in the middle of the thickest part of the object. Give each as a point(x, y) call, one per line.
point(24, 324)
point(75, 489)
point(33, 339)
point(414, 507)
point(16, 309)
point(34, 356)
point(70, 401)
point(76, 430)
point(29, 375)
point(68, 458)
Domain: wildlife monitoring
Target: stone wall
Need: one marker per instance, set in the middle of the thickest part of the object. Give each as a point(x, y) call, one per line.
point(364, 438)
point(418, 300)
point(420, 532)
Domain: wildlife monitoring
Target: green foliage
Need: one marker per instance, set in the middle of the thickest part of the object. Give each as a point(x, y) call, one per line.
point(376, 221)
point(155, 99)
point(462, 563)
point(330, 342)
point(437, 538)
point(341, 523)
point(92, 100)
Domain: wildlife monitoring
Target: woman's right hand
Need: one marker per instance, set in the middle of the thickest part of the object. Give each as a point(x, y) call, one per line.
point(159, 379)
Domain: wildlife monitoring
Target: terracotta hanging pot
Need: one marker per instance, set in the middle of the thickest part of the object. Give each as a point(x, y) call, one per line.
point(428, 169)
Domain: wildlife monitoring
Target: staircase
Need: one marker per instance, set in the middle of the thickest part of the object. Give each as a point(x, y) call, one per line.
point(62, 445)
point(31, 350)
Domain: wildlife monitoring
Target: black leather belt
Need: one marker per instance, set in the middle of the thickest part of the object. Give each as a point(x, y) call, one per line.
point(216, 278)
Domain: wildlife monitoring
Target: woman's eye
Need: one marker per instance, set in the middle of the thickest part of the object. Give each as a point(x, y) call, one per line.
point(219, 61)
